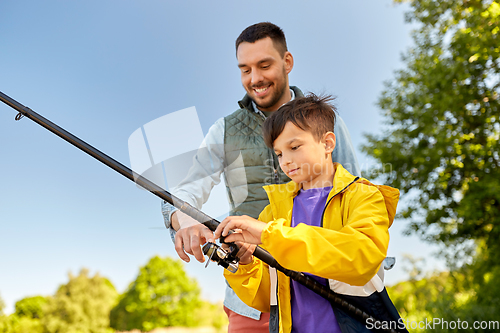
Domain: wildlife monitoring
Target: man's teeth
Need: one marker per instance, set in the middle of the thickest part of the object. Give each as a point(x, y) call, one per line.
point(259, 90)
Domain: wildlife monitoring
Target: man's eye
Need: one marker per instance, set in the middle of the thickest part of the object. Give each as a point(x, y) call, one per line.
point(295, 147)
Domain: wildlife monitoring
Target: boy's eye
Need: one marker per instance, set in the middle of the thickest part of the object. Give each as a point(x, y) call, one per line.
point(295, 147)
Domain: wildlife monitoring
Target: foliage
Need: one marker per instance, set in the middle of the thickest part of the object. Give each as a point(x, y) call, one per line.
point(26, 318)
point(211, 315)
point(82, 305)
point(16, 324)
point(2, 306)
point(442, 142)
point(31, 307)
point(161, 296)
point(443, 132)
point(470, 294)
point(436, 295)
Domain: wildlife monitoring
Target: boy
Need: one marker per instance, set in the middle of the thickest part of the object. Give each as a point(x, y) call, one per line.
point(325, 222)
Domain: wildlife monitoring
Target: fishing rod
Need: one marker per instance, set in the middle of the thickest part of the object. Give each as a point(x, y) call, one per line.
point(195, 213)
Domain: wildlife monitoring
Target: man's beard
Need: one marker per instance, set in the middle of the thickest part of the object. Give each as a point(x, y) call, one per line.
point(278, 93)
point(275, 98)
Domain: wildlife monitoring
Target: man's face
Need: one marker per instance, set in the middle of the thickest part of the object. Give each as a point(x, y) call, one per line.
point(264, 73)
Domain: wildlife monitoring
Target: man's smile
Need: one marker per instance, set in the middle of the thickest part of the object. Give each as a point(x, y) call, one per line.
point(261, 91)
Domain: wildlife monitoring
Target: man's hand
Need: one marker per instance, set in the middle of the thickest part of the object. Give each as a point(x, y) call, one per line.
point(179, 220)
point(190, 236)
point(250, 229)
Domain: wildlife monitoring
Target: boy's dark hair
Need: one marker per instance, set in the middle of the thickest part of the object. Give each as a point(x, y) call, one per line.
point(263, 30)
point(311, 113)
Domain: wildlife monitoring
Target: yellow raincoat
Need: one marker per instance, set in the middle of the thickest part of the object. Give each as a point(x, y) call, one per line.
point(349, 248)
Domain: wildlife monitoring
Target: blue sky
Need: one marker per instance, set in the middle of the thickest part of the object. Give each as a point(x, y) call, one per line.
point(102, 69)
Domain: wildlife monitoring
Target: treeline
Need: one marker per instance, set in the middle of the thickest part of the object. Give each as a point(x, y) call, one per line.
point(450, 301)
point(162, 295)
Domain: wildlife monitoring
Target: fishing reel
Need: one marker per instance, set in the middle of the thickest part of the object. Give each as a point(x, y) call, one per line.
point(226, 259)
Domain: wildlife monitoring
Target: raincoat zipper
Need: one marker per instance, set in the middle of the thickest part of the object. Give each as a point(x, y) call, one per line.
point(324, 209)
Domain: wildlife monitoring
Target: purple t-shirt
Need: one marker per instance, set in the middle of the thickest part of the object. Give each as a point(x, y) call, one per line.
point(311, 312)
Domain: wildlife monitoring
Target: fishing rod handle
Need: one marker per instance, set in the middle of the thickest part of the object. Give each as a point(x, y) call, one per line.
point(265, 257)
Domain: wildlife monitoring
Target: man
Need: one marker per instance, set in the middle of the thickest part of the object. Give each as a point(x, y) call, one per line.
point(264, 62)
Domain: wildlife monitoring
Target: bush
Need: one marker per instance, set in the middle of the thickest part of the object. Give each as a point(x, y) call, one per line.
point(161, 296)
point(82, 305)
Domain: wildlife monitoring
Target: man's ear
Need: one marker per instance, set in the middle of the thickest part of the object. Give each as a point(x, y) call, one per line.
point(288, 62)
point(330, 141)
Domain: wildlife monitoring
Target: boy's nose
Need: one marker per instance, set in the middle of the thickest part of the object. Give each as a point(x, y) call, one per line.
point(285, 160)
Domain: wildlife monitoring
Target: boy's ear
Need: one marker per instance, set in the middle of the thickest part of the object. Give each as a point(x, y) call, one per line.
point(330, 141)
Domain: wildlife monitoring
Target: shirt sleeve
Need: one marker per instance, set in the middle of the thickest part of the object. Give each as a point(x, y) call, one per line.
point(344, 151)
point(203, 175)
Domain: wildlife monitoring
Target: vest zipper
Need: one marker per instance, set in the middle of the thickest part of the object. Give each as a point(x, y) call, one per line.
point(276, 178)
point(345, 188)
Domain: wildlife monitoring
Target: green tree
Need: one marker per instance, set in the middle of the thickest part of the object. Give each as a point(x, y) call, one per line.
point(2, 306)
point(470, 294)
point(31, 307)
point(162, 295)
point(212, 315)
point(16, 324)
point(443, 128)
point(80, 306)
point(2, 317)
point(20, 324)
point(442, 143)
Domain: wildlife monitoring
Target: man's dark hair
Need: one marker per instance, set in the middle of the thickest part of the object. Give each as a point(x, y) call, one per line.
point(263, 30)
point(311, 113)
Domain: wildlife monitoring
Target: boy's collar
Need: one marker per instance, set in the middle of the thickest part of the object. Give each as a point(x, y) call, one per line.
point(341, 179)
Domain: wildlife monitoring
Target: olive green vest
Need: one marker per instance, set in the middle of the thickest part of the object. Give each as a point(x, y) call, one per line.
point(250, 164)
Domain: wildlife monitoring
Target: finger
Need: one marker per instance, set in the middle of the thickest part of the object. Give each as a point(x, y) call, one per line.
point(208, 235)
point(246, 258)
point(195, 246)
point(179, 248)
point(246, 253)
point(218, 231)
point(230, 225)
point(243, 248)
point(234, 237)
point(220, 227)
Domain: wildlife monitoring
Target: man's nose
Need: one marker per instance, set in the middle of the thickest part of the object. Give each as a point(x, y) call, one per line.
point(257, 77)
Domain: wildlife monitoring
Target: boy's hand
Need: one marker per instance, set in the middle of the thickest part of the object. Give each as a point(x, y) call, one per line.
point(245, 253)
point(250, 229)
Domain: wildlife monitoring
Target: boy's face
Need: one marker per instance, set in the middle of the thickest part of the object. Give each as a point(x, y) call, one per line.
point(305, 159)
